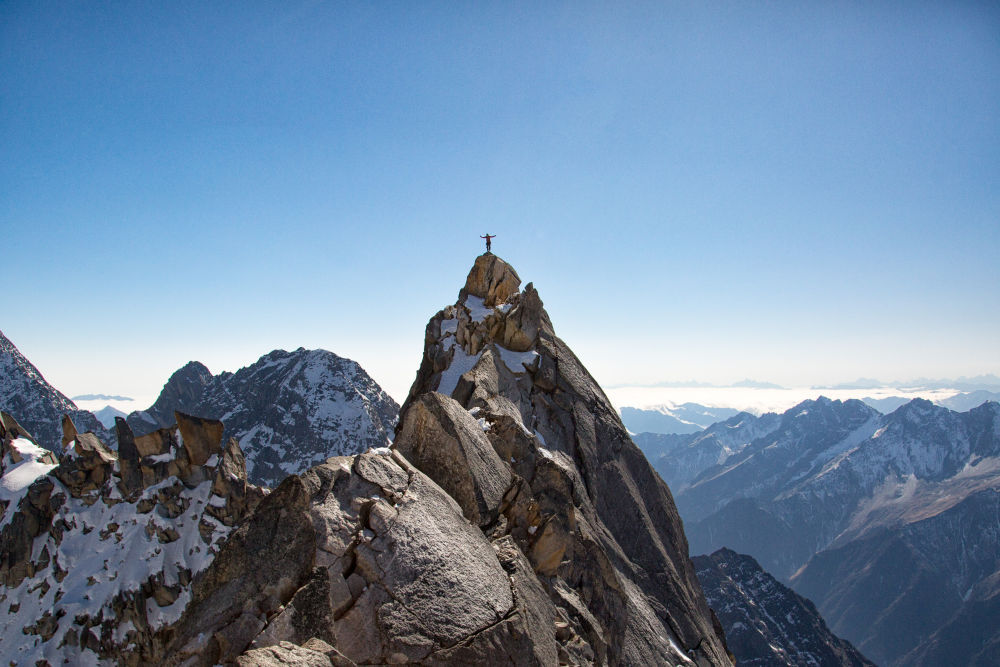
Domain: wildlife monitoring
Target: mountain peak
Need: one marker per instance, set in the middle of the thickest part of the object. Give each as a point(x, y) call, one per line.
point(492, 280)
point(505, 418)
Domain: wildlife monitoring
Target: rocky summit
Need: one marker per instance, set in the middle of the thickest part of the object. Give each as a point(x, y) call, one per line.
point(288, 410)
point(512, 521)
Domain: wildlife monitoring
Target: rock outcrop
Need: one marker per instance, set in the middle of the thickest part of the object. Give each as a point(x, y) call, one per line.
point(288, 410)
point(98, 549)
point(372, 557)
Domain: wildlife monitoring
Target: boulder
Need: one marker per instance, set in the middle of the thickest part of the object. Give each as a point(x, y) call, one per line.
point(202, 438)
point(441, 437)
point(372, 557)
point(492, 280)
point(314, 653)
point(68, 430)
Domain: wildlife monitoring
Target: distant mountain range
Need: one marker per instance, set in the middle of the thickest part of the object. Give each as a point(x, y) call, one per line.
point(873, 517)
point(289, 410)
point(690, 417)
point(987, 382)
point(100, 397)
point(684, 418)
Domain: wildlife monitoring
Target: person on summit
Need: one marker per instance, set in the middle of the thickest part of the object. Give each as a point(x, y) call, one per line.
point(488, 237)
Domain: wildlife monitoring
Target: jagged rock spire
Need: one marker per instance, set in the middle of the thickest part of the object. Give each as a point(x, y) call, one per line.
point(583, 507)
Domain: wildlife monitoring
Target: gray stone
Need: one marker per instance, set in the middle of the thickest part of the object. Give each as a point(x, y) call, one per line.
point(591, 512)
point(444, 440)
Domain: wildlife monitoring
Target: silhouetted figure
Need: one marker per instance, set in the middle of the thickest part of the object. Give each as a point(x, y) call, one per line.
point(488, 237)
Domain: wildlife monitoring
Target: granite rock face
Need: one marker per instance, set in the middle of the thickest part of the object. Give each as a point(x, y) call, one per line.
point(288, 410)
point(585, 509)
point(370, 556)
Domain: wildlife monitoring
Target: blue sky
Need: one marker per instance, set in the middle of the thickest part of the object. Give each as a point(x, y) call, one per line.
point(795, 192)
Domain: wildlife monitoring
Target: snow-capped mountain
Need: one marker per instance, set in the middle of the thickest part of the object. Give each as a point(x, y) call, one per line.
point(680, 459)
point(766, 622)
point(921, 593)
point(289, 410)
point(98, 550)
point(836, 485)
point(36, 404)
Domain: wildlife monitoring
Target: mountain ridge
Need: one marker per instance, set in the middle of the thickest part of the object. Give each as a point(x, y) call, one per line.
point(834, 489)
point(489, 532)
point(766, 622)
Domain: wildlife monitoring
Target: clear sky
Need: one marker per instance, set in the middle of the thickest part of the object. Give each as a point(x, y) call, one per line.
point(798, 192)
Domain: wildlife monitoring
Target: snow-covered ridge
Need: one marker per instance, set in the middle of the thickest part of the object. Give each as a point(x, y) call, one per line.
point(24, 462)
point(99, 550)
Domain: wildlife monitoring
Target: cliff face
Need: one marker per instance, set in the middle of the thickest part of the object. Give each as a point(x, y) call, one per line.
point(574, 494)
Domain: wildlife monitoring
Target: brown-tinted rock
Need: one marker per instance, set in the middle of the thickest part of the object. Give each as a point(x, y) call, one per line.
point(86, 467)
point(314, 653)
point(12, 430)
point(68, 431)
point(386, 571)
point(591, 516)
point(202, 438)
point(230, 483)
point(128, 459)
point(492, 280)
point(33, 517)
